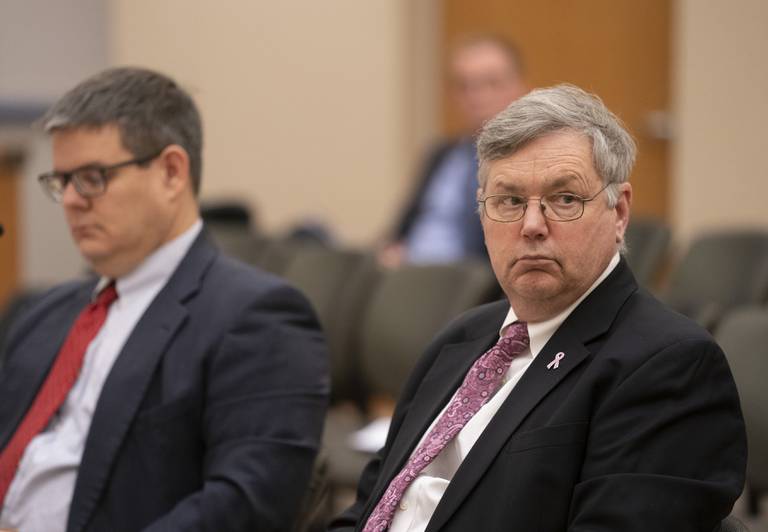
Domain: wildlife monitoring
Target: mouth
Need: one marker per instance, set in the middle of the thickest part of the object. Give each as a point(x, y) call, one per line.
point(534, 262)
point(81, 231)
point(534, 258)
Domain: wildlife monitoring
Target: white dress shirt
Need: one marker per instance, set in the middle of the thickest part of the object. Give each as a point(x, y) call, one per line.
point(40, 494)
point(422, 496)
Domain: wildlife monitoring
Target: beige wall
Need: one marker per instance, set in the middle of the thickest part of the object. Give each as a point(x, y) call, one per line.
point(45, 48)
point(721, 106)
point(310, 105)
point(305, 103)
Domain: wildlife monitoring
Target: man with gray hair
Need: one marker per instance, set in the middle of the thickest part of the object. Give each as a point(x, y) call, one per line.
point(580, 402)
point(177, 389)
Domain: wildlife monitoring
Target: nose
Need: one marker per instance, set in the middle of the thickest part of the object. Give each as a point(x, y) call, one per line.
point(534, 224)
point(71, 198)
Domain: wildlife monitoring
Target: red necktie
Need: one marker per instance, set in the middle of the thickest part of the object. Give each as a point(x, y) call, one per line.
point(57, 385)
point(482, 380)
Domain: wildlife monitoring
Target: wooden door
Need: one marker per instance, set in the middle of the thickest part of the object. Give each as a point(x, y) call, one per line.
point(9, 166)
point(618, 49)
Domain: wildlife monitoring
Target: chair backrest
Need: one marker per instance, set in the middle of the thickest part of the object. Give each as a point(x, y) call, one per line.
point(336, 282)
point(731, 524)
point(277, 254)
point(743, 335)
point(647, 242)
point(238, 241)
point(720, 271)
point(226, 212)
point(407, 308)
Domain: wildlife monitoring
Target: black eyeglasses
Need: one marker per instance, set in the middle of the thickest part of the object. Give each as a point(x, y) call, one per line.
point(89, 181)
point(560, 207)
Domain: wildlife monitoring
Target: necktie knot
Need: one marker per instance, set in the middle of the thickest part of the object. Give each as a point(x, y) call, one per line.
point(514, 340)
point(517, 330)
point(107, 296)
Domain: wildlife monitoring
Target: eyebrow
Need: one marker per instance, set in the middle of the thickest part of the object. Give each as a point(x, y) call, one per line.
point(514, 188)
point(509, 188)
point(92, 164)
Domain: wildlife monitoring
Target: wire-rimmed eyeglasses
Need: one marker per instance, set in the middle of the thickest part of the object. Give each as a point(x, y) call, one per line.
point(558, 207)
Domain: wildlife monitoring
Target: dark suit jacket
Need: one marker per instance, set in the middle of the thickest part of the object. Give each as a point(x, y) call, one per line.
point(211, 415)
point(473, 230)
point(638, 429)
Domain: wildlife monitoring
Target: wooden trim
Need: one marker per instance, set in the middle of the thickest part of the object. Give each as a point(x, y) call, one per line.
point(10, 166)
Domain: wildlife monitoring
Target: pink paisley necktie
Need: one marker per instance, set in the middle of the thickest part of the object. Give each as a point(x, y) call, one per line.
point(481, 382)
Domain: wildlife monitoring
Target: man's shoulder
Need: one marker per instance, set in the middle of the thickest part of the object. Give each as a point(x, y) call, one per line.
point(48, 308)
point(71, 293)
point(231, 271)
point(439, 149)
point(659, 323)
point(646, 329)
point(232, 284)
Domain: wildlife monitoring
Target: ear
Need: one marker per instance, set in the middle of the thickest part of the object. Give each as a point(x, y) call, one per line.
point(174, 161)
point(622, 210)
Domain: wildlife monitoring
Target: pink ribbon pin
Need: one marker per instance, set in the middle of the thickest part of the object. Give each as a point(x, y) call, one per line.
point(556, 361)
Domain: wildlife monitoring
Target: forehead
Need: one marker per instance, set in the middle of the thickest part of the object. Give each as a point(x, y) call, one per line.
point(551, 159)
point(73, 147)
point(480, 59)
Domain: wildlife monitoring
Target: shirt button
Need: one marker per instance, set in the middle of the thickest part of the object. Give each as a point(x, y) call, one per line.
point(403, 505)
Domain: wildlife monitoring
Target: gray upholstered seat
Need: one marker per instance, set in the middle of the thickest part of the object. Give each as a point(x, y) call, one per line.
point(720, 271)
point(743, 335)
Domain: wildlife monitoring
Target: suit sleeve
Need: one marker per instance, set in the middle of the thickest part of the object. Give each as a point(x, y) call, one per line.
point(266, 395)
point(666, 449)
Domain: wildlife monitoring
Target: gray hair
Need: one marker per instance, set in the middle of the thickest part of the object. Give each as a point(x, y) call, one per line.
point(149, 109)
point(562, 107)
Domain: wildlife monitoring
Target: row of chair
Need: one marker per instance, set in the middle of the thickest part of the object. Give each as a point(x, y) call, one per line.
point(719, 271)
point(743, 335)
point(378, 321)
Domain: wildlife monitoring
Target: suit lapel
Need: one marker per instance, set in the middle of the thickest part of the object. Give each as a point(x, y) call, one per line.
point(438, 386)
point(534, 385)
point(591, 319)
point(129, 379)
point(22, 379)
point(443, 378)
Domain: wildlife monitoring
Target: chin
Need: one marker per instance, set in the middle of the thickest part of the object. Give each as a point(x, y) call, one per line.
point(536, 287)
point(94, 255)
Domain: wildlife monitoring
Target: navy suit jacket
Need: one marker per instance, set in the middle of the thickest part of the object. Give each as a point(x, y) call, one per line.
point(638, 429)
point(211, 416)
point(474, 239)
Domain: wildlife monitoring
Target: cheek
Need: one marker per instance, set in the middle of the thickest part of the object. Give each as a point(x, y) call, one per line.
point(496, 239)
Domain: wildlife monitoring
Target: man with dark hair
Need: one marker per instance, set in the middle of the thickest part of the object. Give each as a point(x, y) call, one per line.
point(580, 403)
point(179, 390)
point(438, 223)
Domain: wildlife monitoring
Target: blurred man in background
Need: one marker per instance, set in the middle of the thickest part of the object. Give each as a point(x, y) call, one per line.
point(178, 390)
point(439, 223)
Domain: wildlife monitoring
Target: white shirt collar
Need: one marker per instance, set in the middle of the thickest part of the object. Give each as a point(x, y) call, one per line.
point(541, 332)
point(156, 267)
